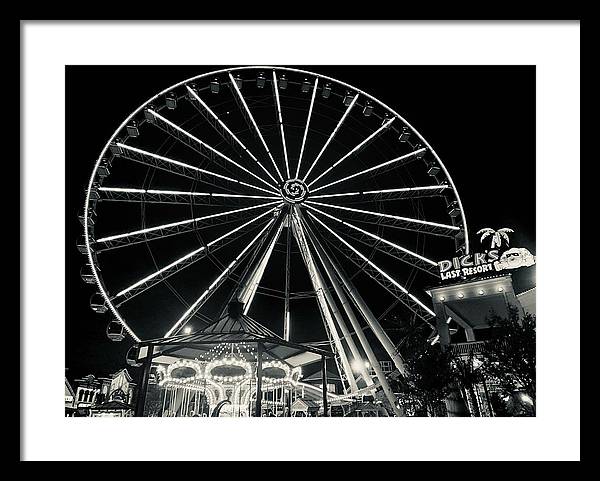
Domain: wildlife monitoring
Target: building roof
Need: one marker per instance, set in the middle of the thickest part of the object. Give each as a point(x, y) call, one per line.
point(89, 380)
point(527, 300)
point(68, 389)
point(125, 373)
point(303, 403)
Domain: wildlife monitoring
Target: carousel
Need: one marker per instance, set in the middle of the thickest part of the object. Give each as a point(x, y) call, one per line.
point(235, 367)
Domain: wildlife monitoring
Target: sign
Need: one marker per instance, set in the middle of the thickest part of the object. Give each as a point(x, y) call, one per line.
point(490, 261)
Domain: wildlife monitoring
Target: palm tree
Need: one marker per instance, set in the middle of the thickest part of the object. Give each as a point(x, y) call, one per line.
point(497, 235)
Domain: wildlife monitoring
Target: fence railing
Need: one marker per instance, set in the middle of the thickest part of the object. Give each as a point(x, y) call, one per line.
point(466, 348)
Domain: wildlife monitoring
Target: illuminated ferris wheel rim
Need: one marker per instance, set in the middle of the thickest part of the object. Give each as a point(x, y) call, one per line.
point(284, 196)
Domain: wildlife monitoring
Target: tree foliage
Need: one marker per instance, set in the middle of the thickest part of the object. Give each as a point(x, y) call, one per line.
point(430, 376)
point(509, 356)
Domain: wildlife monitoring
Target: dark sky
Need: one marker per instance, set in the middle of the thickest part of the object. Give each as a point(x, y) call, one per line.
point(479, 120)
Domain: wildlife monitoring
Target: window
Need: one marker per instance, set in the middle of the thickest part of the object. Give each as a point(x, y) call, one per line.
point(386, 366)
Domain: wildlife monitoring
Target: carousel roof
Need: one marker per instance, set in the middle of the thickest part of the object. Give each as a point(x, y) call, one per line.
point(234, 327)
point(318, 376)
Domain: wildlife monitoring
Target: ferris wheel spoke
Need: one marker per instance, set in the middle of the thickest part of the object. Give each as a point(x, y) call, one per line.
point(173, 228)
point(247, 294)
point(378, 275)
point(280, 121)
point(246, 286)
point(397, 162)
point(198, 145)
point(356, 149)
point(217, 282)
point(389, 194)
point(407, 223)
point(181, 168)
point(185, 261)
point(244, 107)
point(374, 241)
point(331, 136)
point(220, 126)
point(157, 196)
point(310, 109)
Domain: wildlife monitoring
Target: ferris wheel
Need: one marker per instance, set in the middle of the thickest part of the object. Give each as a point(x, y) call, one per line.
point(223, 177)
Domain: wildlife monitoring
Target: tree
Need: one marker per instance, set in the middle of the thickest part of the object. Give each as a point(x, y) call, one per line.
point(469, 372)
point(509, 355)
point(497, 236)
point(429, 376)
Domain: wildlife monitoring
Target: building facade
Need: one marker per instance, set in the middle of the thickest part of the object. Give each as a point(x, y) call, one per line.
point(104, 396)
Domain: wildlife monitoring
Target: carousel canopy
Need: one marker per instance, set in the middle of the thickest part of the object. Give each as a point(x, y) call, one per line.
point(233, 328)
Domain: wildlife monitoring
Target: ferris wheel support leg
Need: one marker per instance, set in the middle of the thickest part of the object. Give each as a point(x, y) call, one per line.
point(324, 387)
point(286, 310)
point(259, 375)
point(387, 390)
point(141, 400)
point(371, 319)
point(319, 287)
point(337, 314)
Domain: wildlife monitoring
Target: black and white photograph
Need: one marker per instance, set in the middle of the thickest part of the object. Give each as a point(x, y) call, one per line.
point(323, 242)
point(273, 241)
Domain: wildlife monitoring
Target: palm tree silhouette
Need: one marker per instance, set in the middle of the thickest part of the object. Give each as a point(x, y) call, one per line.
point(497, 235)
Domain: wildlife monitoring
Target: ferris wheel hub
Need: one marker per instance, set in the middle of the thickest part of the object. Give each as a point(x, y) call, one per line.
point(294, 191)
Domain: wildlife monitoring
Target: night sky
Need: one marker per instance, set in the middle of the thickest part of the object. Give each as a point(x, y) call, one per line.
point(479, 120)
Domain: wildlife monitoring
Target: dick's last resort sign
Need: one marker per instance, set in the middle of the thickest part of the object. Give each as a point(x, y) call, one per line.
point(495, 259)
